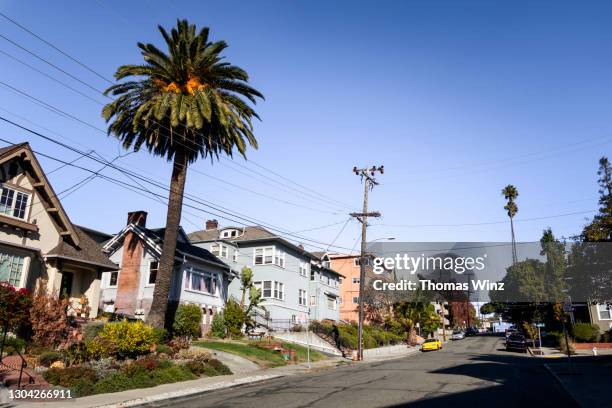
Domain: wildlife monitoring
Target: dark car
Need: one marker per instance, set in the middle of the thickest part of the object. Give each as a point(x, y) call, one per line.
point(471, 331)
point(516, 342)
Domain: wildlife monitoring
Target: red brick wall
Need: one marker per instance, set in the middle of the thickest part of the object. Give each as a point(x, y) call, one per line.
point(129, 277)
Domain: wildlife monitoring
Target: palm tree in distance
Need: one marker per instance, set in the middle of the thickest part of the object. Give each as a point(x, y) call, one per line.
point(181, 105)
point(510, 193)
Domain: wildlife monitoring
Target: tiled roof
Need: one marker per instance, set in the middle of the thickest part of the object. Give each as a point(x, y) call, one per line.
point(88, 251)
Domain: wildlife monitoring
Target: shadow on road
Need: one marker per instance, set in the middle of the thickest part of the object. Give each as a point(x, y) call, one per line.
point(512, 380)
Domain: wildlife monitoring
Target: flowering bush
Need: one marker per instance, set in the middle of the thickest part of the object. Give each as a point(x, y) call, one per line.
point(15, 306)
point(123, 340)
point(48, 317)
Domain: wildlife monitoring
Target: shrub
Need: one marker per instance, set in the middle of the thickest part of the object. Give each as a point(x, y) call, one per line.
point(49, 357)
point(13, 343)
point(164, 349)
point(217, 328)
point(179, 343)
point(15, 307)
point(142, 378)
point(103, 367)
point(187, 321)
point(69, 377)
point(194, 354)
point(297, 328)
point(48, 318)
point(210, 369)
point(161, 335)
point(219, 367)
point(123, 340)
point(585, 332)
point(234, 318)
point(91, 330)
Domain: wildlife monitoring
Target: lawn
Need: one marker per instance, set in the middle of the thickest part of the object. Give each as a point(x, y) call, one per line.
point(259, 355)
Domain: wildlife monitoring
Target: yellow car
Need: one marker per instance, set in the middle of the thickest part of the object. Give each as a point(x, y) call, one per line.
point(431, 344)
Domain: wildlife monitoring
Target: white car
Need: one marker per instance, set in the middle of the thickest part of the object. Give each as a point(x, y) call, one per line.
point(458, 335)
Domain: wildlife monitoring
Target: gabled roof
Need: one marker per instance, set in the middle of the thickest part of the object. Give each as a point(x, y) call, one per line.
point(89, 251)
point(27, 160)
point(154, 238)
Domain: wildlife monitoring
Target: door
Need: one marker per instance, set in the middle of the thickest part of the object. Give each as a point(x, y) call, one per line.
point(66, 286)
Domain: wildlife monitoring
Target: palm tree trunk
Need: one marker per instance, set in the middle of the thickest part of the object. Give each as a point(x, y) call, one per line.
point(159, 305)
point(514, 255)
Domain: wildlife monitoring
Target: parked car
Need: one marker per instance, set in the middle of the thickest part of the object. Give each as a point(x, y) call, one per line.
point(471, 331)
point(516, 342)
point(431, 345)
point(510, 332)
point(457, 335)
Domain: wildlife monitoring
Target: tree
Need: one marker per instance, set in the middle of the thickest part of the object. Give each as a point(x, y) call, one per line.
point(246, 280)
point(181, 105)
point(488, 308)
point(600, 229)
point(510, 193)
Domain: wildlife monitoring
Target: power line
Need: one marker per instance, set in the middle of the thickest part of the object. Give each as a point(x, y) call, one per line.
point(484, 223)
point(317, 195)
point(208, 204)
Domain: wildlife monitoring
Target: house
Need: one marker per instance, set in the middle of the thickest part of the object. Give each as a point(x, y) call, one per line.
point(199, 277)
point(324, 290)
point(282, 271)
point(348, 265)
point(599, 314)
point(38, 242)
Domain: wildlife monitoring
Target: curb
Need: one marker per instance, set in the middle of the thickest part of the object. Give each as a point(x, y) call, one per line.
point(558, 380)
point(168, 397)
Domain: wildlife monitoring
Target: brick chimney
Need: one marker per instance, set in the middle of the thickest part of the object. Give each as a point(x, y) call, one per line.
point(212, 225)
point(137, 217)
point(129, 275)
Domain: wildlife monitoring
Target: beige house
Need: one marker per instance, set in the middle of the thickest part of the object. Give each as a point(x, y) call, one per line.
point(38, 243)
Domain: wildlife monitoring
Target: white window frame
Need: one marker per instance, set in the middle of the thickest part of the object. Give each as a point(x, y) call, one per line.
point(214, 279)
point(235, 255)
point(324, 279)
point(148, 281)
point(276, 289)
point(16, 191)
point(219, 250)
point(304, 267)
point(302, 297)
point(110, 276)
point(313, 300)
point(332, 304)
point(355, 300)
point(230, 233)
point(269, 256)
point(603, 308)
point(24, 267)
point(355, 280)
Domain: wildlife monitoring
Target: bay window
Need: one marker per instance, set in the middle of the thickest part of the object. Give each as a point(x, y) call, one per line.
point(199, 281)
point(219, 250)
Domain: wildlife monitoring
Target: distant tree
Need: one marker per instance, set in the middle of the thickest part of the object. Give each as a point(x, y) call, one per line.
point(600, 228)
point(488, 308)
point(510, 193)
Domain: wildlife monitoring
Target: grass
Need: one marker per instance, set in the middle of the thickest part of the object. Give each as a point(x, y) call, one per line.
point(261, 356)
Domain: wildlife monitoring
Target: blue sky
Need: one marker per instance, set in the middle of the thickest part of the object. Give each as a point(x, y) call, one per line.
point(456, 99)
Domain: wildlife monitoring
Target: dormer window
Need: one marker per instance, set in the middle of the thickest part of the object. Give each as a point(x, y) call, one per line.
point(13, 202)
point(229, 233)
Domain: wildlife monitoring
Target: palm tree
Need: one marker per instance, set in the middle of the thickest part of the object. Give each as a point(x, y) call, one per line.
point(510, 193)
point(181, 105)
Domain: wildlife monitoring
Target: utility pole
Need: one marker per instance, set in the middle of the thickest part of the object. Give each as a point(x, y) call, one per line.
point(367, 176)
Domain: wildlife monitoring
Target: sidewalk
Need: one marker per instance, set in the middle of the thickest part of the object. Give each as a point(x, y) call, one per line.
point(162, 392)
point(587, 382)
point(550, 352)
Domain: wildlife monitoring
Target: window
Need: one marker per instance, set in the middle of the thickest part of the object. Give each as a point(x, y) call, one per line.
point(199, 281)
point(113, 278)
point(13, 202)
point(331, 303)
point(604, 312)
point(302, 297)
point(231, 233)
point(293, 319)
point(312, 275)
point(235, 255)
point(153, 268)
point(340, 300)
point(269, 256)
point(304, 268)
point(325, 279)
point(11, 268)
point(219, 250)
point(356, 300)
point(355, 280)
point(313, 301)
point(271, 289)
point(357, 261)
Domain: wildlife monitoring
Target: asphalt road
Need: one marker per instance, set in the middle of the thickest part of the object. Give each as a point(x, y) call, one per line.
point(474, 372)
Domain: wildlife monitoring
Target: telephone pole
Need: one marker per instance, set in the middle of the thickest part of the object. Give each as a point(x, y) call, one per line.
point(367, 176)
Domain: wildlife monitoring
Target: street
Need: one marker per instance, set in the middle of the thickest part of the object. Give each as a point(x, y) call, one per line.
point(476, 371)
